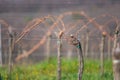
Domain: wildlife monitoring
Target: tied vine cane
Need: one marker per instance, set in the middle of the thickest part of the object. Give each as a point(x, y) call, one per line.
point(74, 41)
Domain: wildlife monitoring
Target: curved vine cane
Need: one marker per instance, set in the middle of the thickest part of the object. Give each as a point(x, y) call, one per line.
point(74, 41)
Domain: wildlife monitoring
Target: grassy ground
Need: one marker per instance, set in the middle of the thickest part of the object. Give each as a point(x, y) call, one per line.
point(47, 70)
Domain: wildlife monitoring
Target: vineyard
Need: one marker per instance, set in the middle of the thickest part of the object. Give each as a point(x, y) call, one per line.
point(47, 70)
point(68, 46)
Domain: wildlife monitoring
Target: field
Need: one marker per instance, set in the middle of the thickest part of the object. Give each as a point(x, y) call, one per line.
point(47, 70)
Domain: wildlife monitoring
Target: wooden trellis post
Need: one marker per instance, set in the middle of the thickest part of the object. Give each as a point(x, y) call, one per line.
point(116, 63)
point(48, 47)
point(102, 53)
point(59, 59)
point(11, 47)
point(83, 44)
point(87, 43)
point(116, 57)
point(109, 48)
point(59, 43)
point(92, 52)
point(0, 46)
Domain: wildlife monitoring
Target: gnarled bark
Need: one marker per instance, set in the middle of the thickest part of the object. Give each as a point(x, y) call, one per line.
point(74, 41)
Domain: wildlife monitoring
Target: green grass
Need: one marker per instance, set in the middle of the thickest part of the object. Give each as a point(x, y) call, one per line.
point(47, 70)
